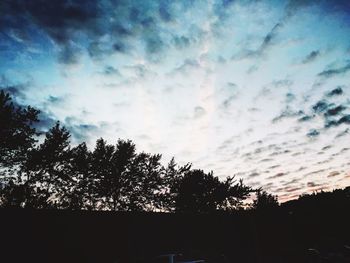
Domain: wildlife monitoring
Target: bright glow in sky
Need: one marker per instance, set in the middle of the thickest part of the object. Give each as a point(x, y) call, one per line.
point(257, 89)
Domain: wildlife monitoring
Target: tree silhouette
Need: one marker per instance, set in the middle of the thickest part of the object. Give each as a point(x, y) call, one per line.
point(173, 174)
point(203, 192)
point(16, 131)
point(47, 169)
point(264, 200)
point(101, 168)
point(53, 174)
point(81, 187)
point(17, 137)
point(143, 182)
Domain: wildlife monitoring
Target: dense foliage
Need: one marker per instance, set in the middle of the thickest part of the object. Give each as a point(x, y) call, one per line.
point(54, 174)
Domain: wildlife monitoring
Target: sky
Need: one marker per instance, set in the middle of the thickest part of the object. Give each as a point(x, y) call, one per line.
point(255, 89)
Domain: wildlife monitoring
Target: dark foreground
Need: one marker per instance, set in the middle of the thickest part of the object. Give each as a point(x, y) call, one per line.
point(286, 234)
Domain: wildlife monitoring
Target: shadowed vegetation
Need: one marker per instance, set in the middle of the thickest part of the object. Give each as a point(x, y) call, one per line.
point(55, 175)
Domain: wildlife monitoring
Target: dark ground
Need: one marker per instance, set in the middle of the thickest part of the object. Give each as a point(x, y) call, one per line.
point(286, 234)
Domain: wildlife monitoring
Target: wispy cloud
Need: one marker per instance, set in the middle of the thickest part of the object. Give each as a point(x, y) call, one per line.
point(328, 73)
point(311, 56)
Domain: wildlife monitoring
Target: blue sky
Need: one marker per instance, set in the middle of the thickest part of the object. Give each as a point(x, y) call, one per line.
point(256, 89)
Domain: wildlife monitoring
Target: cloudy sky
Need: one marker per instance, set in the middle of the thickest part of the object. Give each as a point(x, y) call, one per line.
point(256, 89)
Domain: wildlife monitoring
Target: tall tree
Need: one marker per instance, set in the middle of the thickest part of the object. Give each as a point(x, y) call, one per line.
point(102, 169)
point(16, 131)
point(81, 186)
point(47, 168)
point(144, 182)
point(17, 136)
point(173, 174)
point(120, 181)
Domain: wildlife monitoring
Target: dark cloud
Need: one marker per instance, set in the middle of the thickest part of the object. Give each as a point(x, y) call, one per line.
point(275, 153)
point(315, 172)
point(232, 85)
point(344, 150)
point(70, 54)
point(46, 121)
point(181, 42)
point(306, 118)
point(313, 184)
point(311, 56)
point(80, 131)
point(142, 71)
point(328, 6)
point(258, 150)
point(343, 133)
point(154, 44)
point(291, 182)
point(333, 72)
point(277, 84)
point(290, 97)
point(333, 174)
point(96, 51)
point(335, 110)
point(265, 160)
point(187, 65)
point(325, 161)
point(227, 102)
point(337, 6)
point(345, 119)
point(231, 94)
point(226, 3)
point(287, 113)
point(335, 92)
point(69, 22)
point(253, 174)
point(59, 19)
point(253, 109)
point(329, 112)
point(320, 106)
point(278, 175)
point(109, 70)
point(313, 133)
point(252, 69)
point(326, 147)
point(289, 189)
point(330, 123)
point(268, 40)
point(294, 5)
point(16, 91)
point(55, 100)
point(164, 12)
point(120, 47)
point(301, 168)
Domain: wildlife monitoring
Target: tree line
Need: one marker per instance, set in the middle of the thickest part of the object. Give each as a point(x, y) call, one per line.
point(53, 174)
